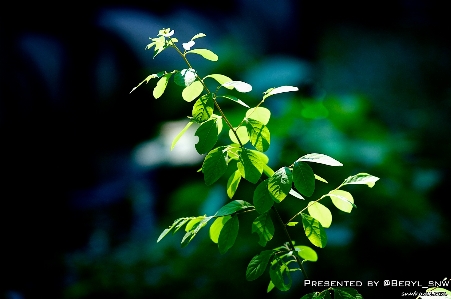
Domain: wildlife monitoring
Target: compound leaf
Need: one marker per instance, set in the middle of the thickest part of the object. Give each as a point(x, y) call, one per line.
point(314, 231)
point(264, 228)
point(214, 165)
point(258, 265)
point(303, 178)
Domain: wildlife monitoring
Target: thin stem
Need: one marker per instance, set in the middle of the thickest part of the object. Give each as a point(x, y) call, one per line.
point(309, 204)
point(208, 91)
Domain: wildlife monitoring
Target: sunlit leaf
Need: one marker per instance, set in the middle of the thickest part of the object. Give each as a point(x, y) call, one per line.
point(167, 230)
point(221, 79)
point(203, 108)
point(258, 134)
point(270, 287)
point(189, 226)
point(233, 182)
point(306, 253)
point(214, 165)
point(361, 178)
point(258, 265)
point(264, 228)
point(295, 194)
point(314, 231)
point(268, 170)
point(238, 85)
point(280, 183)
point(235, 99)
point(148, 78)
point(194, 230)
point(198, 36)
point(292, 223)
point(250, 165)
point(303, 178)
point(320, 158)
point(216, 227)
point(343, 200)
point(179, 135)
point(161, 86)
point(208, 136)
point(281, 89)
point(317, 177)
point(320, 213)
point(228, 234)
point(242, 134)
point(191, 92)
point(233, 207)
point(262, 198)
point(185, 77)
point(207, 54)
point(261, 114)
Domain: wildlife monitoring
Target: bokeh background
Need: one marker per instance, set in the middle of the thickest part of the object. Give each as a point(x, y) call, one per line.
point(89, 182)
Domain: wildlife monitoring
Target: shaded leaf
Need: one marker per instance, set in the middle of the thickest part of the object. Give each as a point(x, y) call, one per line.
point(314, 231)
point(232, 207)
point(264, 228)
point(205, 53)
point(258, 134)
point(203, 108)
point(277, 273)
point(280, 183)
point(303, 178)
point(228, 234)
point(214, 165)
point(320, 158)
point(250, 165)
point(233, 182)
point(320, 213)
point(262, 198)
point(258, 265)
point(208, 136)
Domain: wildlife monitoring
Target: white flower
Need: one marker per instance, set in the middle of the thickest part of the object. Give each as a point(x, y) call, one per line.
point(187, 46)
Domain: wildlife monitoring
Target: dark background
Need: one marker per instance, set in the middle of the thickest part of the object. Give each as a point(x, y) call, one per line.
point(88, 181)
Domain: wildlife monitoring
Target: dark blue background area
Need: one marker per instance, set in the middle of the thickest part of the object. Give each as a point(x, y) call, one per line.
point(69, 125)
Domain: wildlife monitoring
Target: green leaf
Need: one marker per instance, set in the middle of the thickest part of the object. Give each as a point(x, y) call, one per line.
point(161, 86)
point(258, 134)
point(216, 227)
point(270, 287)
point(191, 92)
point(228, 234)
point(179, 135)
point(238, 85)
point(346, 293)
point(262, 198)
point(295, 194)
point(303, 178)
point(242, 134)
point(260, 114)
point(276, 272)
point(233, 151)
point(320, 158)
point(214, 165)
point(185, 77)
point(250, 165)
point(320, 213)
point(314, 231)
point(189, 226)
point(203, 108)
point(258, 265)
point(264, 228)
point(280, 183)
point(281, 89)
point(148, 78)
point(232, 207)
point(207, 54)
point(198, 36)
point(306, 253)
point(159, 43)
point(323, 295)
point(235, 99)
point(343, 200)
point(361, 178)
point(221, 79)
point(167, 230)
point(233, 182)
point(317, 177)
point(292, 223)
point(208, 136)
point(188, 237)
